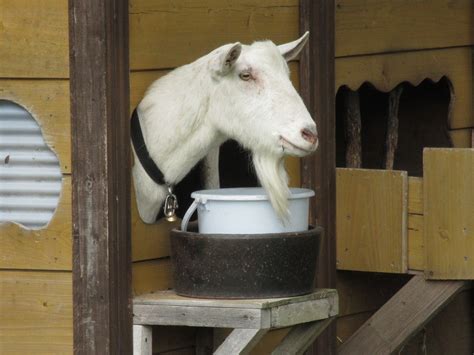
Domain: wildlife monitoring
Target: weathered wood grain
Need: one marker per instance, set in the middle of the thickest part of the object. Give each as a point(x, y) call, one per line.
point(48, 103)
point(372, 220)
point(448, 213)
point(35, 312)
point(352, 129)
point(402, 316)
point(318, 172)
point(142, 340)
point(391, 141)
point(377, 26)
point(387, 71)
point(99, 68)
point(167, 308)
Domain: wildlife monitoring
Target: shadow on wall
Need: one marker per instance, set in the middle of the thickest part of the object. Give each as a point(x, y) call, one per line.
point(422, 121)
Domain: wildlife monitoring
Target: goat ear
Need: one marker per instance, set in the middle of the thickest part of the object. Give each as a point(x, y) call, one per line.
point(290, 50)
point(228, 57)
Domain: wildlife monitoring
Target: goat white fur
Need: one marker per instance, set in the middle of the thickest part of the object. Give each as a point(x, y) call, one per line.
point(242, 92)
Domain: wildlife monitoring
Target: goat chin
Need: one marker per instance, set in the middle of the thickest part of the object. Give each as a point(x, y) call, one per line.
point(272, 175)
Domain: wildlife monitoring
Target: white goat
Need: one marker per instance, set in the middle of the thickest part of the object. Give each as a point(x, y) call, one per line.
point(240, 92)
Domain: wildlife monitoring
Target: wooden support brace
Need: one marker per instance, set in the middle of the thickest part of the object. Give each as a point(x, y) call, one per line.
point(401, 317)
point(142, 340)
point(352, 130)
point(240, 341)
point(301, 337)
point(392, 127)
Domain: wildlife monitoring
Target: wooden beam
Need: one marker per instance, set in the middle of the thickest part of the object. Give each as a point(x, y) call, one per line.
point(99, 69)
point(317, 87)
point(353, 129)
point(401, 317)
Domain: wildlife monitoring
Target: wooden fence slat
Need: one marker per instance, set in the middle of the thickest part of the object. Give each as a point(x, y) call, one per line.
point(449, 209)
point(371, 220)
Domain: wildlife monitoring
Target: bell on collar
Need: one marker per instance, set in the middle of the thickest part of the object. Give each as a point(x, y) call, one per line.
point(170, 206)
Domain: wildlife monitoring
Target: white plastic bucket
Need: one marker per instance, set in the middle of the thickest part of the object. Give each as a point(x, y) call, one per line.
point(246, 211)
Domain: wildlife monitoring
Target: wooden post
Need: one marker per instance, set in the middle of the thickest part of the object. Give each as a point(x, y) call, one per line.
point(99, 72)
point(391, 141)
point(318, 171)
point(353, 130)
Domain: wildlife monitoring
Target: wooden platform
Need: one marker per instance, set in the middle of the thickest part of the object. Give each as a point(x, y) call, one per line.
point(251, 319)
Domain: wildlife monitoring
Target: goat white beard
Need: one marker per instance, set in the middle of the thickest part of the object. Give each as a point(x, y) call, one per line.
point(274, 179)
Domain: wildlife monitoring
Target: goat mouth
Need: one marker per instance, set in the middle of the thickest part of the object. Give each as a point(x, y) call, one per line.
point(292, 145)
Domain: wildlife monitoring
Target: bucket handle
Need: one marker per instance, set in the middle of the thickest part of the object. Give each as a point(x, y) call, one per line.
point(187, 216)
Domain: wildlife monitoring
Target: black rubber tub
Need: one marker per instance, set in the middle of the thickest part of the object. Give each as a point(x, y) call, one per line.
point(244, 266)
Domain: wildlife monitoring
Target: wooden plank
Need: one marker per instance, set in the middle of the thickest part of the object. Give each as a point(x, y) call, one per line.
point(216, 317)
point(461, 138)
point(34, 39)
point(98, 33)
point(449, 210)
point(401, 317)
point(386, 26)
point(301, 336)
point(372, 220)
point(318, 172)
point(416, 247)
point(385, 72)
point(303, 312)
point(170, 298)
point(142, 340)
point(36, 312)
point(151, 275)
point(48, 103)
point(167, 34)
point(240, 341)
point(415, 195)
point(49, 248)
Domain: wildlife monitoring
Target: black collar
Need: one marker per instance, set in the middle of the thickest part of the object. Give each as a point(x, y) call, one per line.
point(142, 152)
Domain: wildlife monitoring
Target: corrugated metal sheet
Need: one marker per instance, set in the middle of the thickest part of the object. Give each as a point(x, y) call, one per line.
point(30, 177)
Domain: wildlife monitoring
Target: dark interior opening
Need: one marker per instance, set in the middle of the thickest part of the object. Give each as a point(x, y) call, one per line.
point(422, 122)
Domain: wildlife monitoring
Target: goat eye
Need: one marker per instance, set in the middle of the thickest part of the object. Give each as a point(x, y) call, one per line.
point(245, 76)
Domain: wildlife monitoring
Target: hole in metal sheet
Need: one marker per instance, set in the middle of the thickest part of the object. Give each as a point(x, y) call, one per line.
point(30, 176)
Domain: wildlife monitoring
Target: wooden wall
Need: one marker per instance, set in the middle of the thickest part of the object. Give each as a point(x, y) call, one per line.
point(35, 266)
point(386, 43)
point(377, 41)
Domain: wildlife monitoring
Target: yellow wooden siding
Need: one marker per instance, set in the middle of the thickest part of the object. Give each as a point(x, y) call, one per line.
point(167, 34)
point(388, 70)
point(34, 39)
point(448, 213)
point(48, 248)
point(35, 312)
point(371, 220)
point(379, 26)
point(48, 103)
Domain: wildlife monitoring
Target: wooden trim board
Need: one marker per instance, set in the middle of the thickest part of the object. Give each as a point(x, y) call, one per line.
point(372, 220)
point(449, 209)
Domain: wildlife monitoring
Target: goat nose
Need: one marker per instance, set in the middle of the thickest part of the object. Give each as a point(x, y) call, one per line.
point(309, 135)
